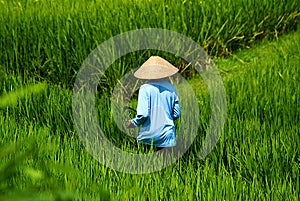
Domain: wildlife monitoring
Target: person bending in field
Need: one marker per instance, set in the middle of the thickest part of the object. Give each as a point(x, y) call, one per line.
point(158, 104)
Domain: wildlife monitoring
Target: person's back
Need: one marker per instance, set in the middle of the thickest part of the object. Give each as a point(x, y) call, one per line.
point(158, 107)
point(158, 104)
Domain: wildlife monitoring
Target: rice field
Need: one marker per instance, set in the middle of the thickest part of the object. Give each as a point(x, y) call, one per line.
point(43, 45)
point(49, 40)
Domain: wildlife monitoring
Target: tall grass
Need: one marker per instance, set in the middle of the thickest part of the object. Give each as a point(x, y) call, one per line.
point(49, 40)
point(257, 157)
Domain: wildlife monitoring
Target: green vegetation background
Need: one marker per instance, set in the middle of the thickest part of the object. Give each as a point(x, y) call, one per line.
point(43, 44)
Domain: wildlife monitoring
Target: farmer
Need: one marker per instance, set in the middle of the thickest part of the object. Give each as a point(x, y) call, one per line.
point(158, 104)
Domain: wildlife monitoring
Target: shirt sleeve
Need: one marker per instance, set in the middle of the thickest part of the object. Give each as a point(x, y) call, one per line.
point(143, 107)
point(176, 109)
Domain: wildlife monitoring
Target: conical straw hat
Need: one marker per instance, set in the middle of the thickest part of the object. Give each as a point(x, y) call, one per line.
point(155, 68)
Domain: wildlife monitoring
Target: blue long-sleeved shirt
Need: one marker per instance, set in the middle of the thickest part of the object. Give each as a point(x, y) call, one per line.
point(158, 107)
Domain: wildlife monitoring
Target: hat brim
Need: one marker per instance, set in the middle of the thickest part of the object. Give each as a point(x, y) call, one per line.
point(155, 68)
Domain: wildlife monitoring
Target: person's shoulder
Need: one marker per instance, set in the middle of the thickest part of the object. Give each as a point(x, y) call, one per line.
point(146, 87)
point(170, 86)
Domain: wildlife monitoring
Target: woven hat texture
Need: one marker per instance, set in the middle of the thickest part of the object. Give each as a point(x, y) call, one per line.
point(155, 68)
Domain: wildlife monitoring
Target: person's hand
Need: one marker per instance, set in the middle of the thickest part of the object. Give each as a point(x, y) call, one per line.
point(129, 124)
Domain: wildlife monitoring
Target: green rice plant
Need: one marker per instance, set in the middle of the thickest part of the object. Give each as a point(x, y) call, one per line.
point(11, 99)
point(256, 158)
point(25, 157)
point(49, 40)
